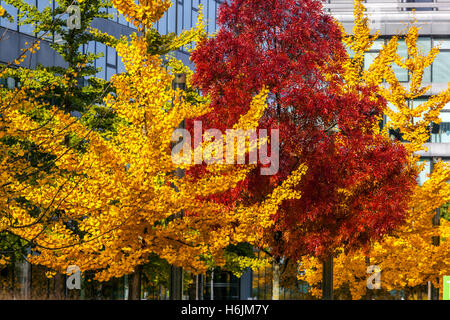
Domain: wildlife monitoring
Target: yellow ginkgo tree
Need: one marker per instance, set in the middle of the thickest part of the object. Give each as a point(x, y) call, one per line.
point(407, 258)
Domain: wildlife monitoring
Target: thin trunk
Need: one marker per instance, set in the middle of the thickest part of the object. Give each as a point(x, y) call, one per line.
point(196, 287)
point(276, 279)
point(59, 293)
point(327, 279)
point(134, 284)
point(212, 284)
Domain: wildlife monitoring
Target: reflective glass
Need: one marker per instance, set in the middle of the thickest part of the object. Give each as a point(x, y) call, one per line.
point(211, 16)
point(441, 68)
point(114, 13)
point(442, 43)
point(179, 17)
point(424, 45)
point(111, 56)
point(402, 74)
point(423, 174)
point(27, 28)
point(187, 22)
point(101, 62)
point(162, 24)
point(109, 72)
point(13, 12)
point(171, 14)
point(368, 59)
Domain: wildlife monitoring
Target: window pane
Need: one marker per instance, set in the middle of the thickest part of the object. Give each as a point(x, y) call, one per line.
point(445, 117)
point(171, 14)
point(442, 43)
point(13, 12)
point(423, 175)
point(114, 13)
point(28, 28)
point(402, 74)
point(42, 4)
point(111, 57)
point(445, 132)
point(187, 14)
point(101, 62)
point(369, 57)
point(120, 65)
point(424, 45)
point(122, 19)
point(179, 17)
point(109, 72)
point(441, 68)
point(211, 16)
point(162, 24)
point(415, 104)
point(377, 44)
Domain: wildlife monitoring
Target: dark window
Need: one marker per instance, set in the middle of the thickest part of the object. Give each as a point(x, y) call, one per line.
point(420, 8)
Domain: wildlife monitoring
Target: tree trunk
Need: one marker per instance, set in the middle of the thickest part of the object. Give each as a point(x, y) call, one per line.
point(327, 279)
point(212, 284)
point(59, 293)
point(134, 284)
point(276, 279)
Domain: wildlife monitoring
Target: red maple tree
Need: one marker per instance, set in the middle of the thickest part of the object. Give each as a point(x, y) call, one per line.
point(357, 186)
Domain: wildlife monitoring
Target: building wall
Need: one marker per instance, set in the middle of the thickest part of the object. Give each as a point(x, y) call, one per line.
point(181, 16)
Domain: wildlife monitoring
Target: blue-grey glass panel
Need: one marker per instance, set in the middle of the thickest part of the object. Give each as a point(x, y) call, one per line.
point(211, 16)
point(162, 24)
point(114, 13)
point(27, 28)
point(441, 68)
point(194, 18)
point(111, 55)
point(109, 72)
point(172, 16)
point(120, 65)
point(13, 12)
point(41, 5)
point(101, 62)
point(90, 47)
point(122, 19)
point(187, 14)
point(179, 17)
